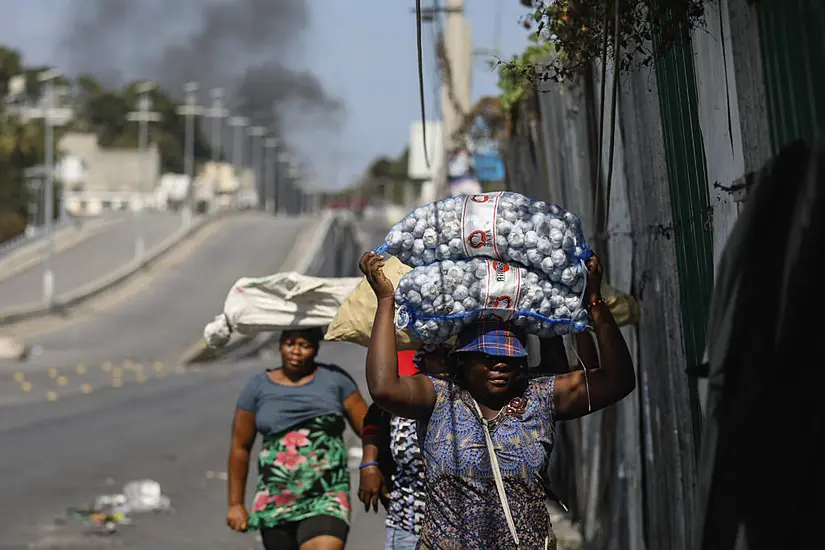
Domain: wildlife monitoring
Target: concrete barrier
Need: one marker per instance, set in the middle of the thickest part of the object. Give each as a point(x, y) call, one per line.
point(110, 280)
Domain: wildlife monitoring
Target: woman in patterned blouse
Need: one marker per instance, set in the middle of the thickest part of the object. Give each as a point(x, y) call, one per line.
point(491, 391)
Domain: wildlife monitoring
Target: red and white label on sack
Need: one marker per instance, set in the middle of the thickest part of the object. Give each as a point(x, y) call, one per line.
point(503, 289)
point(478, 227)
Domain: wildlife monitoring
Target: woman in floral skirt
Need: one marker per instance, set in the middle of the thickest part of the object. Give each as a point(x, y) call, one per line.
point(302, 498)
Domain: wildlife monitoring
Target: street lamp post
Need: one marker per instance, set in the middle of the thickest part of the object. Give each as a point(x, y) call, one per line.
point(48, 272)
point(257, 132)
point(217, 113)
point(284, 160)
point(51, 115)
point(273, 203)
point(143, 116)
point(190, 109)
point(293, 174)
point(239, 124)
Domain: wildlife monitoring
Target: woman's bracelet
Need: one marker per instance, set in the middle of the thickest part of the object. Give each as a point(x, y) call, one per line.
point(367, 465)
point(596, 302)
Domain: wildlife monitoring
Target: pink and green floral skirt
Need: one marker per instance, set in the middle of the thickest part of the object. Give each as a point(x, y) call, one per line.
point(302, 472)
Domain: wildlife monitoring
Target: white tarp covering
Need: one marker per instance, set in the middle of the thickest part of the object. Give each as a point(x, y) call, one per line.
point(279, 301)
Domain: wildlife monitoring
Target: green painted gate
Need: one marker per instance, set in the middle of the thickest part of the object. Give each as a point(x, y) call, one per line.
point(793, 56)
point(692, 221)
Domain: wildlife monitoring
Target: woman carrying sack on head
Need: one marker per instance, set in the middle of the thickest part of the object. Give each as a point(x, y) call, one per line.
point(486, 436)
point(302, 497)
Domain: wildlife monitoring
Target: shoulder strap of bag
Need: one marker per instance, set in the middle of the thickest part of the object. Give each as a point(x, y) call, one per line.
point(497, 475)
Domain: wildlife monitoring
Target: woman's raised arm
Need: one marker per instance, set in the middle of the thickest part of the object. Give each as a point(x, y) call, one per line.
point(407, 396)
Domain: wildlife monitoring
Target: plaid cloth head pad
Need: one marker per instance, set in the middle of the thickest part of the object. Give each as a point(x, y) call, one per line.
point(502, 339)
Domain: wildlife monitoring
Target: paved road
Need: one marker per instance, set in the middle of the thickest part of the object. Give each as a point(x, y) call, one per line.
point(92, 258)
point(173, 429)
point(104, 403)
point(162, 321)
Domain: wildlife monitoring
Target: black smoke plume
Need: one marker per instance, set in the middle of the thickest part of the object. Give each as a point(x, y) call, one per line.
point(250, 48)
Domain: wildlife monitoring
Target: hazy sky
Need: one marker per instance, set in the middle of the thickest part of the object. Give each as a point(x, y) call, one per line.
point(363, 51)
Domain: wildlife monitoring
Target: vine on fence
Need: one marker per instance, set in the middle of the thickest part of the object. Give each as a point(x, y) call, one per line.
point(579, 30)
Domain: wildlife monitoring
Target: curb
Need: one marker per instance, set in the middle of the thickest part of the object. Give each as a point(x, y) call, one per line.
point(30, 255)
point(107, 282)
point(301, 258)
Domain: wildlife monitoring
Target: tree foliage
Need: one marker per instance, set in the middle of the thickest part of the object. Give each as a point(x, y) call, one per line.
point(105, 113)
point(579, 32)
point(97, 109)
point(517, 75)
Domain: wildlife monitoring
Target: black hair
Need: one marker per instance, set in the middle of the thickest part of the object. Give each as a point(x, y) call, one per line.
point(313, 334)
point(419, 360)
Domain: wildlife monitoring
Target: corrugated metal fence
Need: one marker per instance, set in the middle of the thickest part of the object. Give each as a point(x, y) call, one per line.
point(629, 472)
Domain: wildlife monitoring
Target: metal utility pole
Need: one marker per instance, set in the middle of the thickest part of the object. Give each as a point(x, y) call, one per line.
point(456, 79)
point(217, 113)
point(143, 116)
point(50, 115)
point(257, 132)
point(282, 189)
point(190, 110)
point(293, 174)
point(239, 124)
point(273, 203)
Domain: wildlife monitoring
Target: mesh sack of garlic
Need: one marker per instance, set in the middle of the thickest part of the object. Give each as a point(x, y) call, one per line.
point(436, 301)
point(502, 226)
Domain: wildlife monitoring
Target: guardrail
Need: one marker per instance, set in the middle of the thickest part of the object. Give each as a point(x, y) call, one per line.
point(24, 239)
point(33, 252)
point(107, 282)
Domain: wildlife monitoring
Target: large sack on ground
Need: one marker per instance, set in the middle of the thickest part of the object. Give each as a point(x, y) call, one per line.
point(277, 302)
